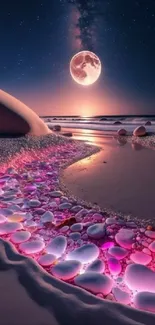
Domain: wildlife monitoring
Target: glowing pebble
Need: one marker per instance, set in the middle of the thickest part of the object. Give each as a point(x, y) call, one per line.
point(47, 217)
point(121, 296)
point(16, 218)
point(152, 247)
point(32, 247)
point(46, 260)
point(150, 234)
point(76, 208)
point(57, 246)
point(139, 277)
point(84, 254)
point(2, 219)
point(30, 224)
point(96, 231)
point(140, 258)
point(30, 188)
point(111, 221)
point(94, 282)
point(20, 237)
point(9, 227)
point(96, 266)
point(145, 301)
point(56, 194)
point(66, 270)
point(124, 238)
point(107, 245)
point(114, 266)
point(76, 227)
point(118, 252)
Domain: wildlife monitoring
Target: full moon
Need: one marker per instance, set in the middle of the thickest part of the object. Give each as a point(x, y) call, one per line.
point(85, 68)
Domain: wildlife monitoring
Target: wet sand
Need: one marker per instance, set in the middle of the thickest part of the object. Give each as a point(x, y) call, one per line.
point(120, 177)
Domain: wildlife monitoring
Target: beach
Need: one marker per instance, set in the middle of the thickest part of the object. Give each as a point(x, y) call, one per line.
point(49, 236)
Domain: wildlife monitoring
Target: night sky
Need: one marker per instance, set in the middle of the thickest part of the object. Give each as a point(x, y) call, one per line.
point(39, 38)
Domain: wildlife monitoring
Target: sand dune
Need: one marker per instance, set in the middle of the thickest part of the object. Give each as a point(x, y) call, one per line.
point(30, 296)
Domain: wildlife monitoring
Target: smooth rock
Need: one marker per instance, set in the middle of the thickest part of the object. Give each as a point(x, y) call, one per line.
point(9, 227)
point(46, 259)
point(125, 238)
point(32, 247)
point(57, 246)
point(114, 266)
point(20, 236)
point(75, 235)
point(48, 216)
point(111, 221)
point(146, 251)
point(56, 194)
point(96, 266)
point(65, 206)
point(76, 227)
point(84, 254)
point(118, 252)
point(145, 301)
point(121, 296)
point(96, 231)
point(34, 203)
point(64, 229)
point(140, 258)
point(139, 131)
point(3, 219)
point(66, 270)
point(152, 247)
point(107, 245)
point(76, 208)
point(19, 119)
point(121, 132)
point(150, 234)
point(139, 277)
point(94, 282)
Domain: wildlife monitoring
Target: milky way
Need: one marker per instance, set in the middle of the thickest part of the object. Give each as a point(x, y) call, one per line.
point(87, 21)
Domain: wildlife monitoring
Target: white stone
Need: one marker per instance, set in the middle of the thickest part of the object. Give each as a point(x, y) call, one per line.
point(64, 229)
point(152, 247)
point(47, 217)
point(56, 194)
point(111, 221)
point(66, 270)
point(9, 227)
point(84, 254)
point(139, 277)
point(95, 282)
point(145, 301)
point(46, 259)
point(114, 266)
point(118, 252)
point(96, 231)
point(76, 227)
point(96, 266)
point(57, 246)
point(150, 234)
point(124, 238)
point(140, 258)
point(32, 247)
point(20, 236)
point(121, 296)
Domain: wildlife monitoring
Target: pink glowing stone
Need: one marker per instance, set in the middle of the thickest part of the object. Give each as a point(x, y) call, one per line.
point(32, 247)
point(20, 236)
point(139, 277)
point(107, 245)
point(114, 266)
point(141, 258)
point(2, 219)
point(46, 260)
point(124, 238)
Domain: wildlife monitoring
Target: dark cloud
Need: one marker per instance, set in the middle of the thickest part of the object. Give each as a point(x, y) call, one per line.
point(89, 11)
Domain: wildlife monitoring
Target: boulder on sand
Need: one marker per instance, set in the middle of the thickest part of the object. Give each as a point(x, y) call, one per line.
point(148, 123)
point(121, 132)
point(139, 131)
point(18, 119)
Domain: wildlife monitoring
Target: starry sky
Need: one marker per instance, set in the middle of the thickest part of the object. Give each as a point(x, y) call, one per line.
point(39, 38)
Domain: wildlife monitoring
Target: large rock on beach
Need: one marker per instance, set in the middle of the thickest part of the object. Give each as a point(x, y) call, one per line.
point(19, 119)
point(140, 131)
point(121, 132)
